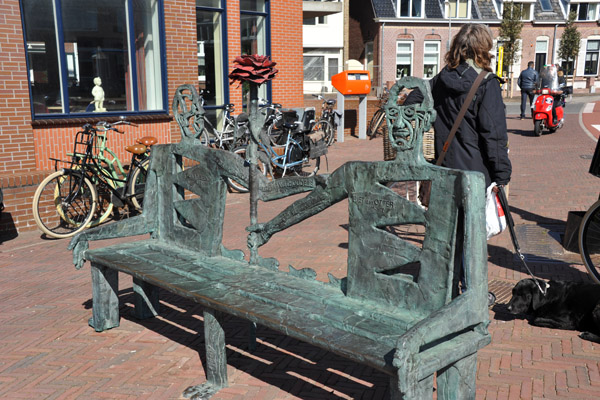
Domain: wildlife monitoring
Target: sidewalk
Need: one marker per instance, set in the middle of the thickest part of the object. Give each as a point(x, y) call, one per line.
point(47, 349)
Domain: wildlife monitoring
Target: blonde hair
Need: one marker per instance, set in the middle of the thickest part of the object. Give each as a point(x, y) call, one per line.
point(473, 41)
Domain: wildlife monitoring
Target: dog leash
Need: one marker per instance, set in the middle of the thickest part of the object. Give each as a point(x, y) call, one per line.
point(513, 235)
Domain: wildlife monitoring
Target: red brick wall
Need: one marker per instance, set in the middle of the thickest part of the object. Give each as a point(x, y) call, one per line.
point(16, 136)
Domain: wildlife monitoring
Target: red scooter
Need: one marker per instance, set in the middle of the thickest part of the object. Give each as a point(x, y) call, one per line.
point(549, 102)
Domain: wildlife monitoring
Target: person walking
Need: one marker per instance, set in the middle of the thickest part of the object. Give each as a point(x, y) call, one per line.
point(526, 82)
point(481, 141)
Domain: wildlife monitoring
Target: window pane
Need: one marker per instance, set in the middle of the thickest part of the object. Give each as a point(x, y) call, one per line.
point(592, 12)
point(526, 13)
point(332, 65)
point(96, 36)
point(404, 8)
point(416, 8)
point(208, 3)
point(210, 57)
point(404, 47)
point(147, 55)
point(541, 46)
point(314, 68)
point(44, 75)
point(431, 47)
point(593, 44)
point(583, 7)
point(309, 21)
point(252, 5)
point(463, 8)
point(253, 34)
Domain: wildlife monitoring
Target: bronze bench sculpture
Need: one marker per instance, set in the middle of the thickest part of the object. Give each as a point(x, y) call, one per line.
point(411, 325)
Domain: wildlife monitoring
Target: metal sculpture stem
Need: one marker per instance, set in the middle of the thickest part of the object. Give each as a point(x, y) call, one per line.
point(251, 156)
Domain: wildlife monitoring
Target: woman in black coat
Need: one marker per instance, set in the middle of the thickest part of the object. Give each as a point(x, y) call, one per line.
point(481, 142)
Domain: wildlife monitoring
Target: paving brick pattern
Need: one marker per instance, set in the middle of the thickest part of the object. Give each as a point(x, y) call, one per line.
point(48, 351)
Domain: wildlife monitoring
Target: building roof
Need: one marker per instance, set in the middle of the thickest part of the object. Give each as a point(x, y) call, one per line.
point(484, 10)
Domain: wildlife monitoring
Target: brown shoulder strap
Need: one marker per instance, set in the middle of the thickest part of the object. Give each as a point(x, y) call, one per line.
point(461, 115)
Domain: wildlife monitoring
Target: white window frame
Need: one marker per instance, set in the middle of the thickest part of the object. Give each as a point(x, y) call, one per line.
point(456, 8)
point(437, 53)
point(578, 3)
point(398, 8)
point(531, 8)
point(587, 51)
point(410, 53)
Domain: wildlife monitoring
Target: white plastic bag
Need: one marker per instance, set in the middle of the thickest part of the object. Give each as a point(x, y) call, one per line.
point(495, 220)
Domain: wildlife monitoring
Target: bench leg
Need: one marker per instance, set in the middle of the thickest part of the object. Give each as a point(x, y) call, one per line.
point(420, 390)
point(145, 299)
point(216, 359)
point(457, 381)
point(105, 300)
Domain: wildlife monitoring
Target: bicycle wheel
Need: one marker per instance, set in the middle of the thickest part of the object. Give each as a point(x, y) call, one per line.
point(589, 241)
point(104, 205)
point(137, 184)
point(377, 125)
point(308, 168)
point(327, 128)
point(64, 204)
point(237, 186)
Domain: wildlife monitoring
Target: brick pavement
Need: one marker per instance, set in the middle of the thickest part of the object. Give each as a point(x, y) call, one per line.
point(48, 351)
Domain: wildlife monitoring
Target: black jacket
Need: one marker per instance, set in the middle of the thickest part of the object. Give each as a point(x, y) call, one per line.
point(481, 142)
point(528, 79)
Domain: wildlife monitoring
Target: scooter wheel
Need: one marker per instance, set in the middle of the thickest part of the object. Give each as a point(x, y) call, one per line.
point(537, 128)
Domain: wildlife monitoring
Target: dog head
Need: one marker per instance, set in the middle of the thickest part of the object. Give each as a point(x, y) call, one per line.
point(526, 297)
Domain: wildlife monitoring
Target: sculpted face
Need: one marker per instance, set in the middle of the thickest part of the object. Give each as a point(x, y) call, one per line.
point(405, 122)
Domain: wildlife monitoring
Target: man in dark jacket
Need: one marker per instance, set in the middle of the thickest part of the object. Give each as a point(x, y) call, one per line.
point(526, 82)
point(481, 142)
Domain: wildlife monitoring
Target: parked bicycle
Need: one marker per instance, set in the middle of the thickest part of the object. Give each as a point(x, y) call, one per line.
point(274, 119)
point(298, 153)
point(378, 124)
point(589, 230)
point(234, 133)
point(84, 193)
point(327, 121)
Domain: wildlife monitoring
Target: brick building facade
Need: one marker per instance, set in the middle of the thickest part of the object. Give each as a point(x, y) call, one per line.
point(29, 138)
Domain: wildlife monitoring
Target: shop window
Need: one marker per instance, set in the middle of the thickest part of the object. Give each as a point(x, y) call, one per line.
point(81, 49)
point(410, 8)
point(431, 59)
point(591, 57)
point(585, 11)
point(404, 56)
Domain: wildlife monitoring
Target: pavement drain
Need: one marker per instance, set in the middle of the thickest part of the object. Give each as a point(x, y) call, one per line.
point(501, 289)
point(543, 244)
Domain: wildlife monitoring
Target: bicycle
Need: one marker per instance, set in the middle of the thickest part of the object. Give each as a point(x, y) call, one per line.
point(327, 121)
point(83, 195)
point(235, 132)
point(274, 119)
point(293, 156)
point(378, 124)
point(589, 230)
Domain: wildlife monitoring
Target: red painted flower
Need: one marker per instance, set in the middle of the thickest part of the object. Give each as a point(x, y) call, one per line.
point(255, 68)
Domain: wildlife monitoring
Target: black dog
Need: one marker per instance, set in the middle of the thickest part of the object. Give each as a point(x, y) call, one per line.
point(566, 305)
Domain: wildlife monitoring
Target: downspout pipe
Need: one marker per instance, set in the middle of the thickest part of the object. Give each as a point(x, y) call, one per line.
point(381, 56)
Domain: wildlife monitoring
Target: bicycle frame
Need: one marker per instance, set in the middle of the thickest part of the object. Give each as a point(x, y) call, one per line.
point(280, 161)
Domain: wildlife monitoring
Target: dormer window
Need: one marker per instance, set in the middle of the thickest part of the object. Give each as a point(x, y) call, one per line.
point(525, 6)
point(410, 8)
point(458, 8)
point(586, 11)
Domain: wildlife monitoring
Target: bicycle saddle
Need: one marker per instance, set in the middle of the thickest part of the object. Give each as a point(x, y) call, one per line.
point(136, 149)
point(147, 140)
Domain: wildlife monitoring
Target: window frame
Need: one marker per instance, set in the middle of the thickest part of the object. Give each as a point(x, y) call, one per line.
point(421, 11)
point(577, 6)
point(412, 52)
point(63, 66)
point(456, 17)
point(438, 53)
point(267, 15)
point(224, 54)
point(596, 52)
point(531, 4)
